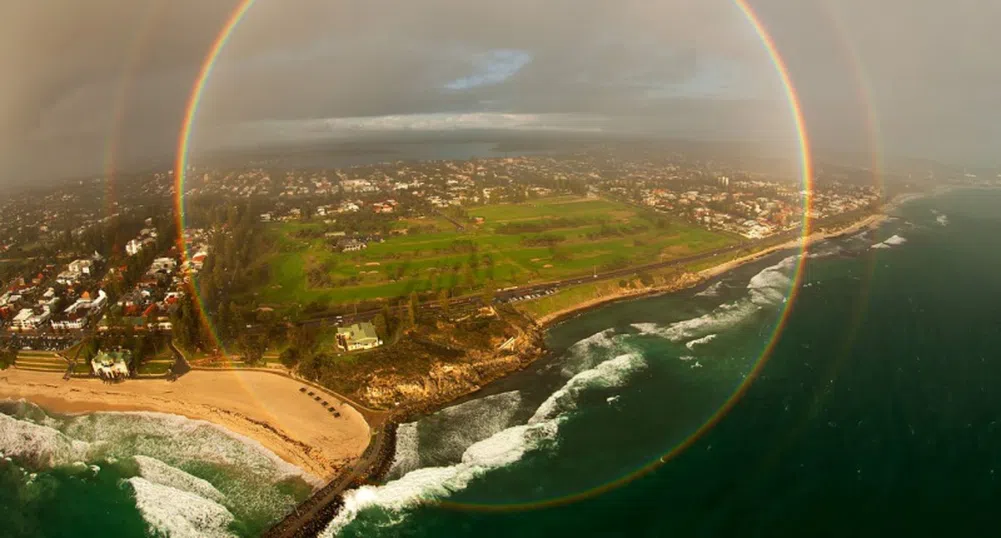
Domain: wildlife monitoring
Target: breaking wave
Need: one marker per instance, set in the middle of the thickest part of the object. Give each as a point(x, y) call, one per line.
point(502, 448)
point(699, 341)
point(173, 439)
point(894, 241)
point(251, 481)
point(160, 473)
point(179, 514)
point(768, 288)
point(41, 445)
point(611, 373)
point(406, 457)
point(453, 430)
point(711, 291)
point(771, 286)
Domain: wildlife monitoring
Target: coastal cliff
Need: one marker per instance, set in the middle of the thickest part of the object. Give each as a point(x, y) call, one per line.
point(438, 360)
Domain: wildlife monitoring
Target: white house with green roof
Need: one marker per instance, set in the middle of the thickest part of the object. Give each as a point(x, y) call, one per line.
point(114, 365)
point(358, 336)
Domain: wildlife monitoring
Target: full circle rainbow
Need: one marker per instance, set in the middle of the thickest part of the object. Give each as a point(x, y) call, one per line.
point(806, 172)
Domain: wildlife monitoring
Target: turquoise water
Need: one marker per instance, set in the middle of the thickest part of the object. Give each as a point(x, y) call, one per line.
point(876, 414)
point(135, 474)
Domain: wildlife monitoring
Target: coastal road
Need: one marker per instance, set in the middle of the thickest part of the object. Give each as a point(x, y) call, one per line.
point(509, 294)
point(519, 292)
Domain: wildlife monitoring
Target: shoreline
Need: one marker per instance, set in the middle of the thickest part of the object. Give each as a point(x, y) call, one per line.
point(267, 409)
point(691, 280)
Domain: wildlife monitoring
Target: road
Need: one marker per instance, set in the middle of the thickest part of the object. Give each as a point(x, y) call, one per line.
point(509, 294)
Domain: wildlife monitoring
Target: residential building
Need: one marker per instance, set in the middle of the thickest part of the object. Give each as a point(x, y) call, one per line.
point(358, 336)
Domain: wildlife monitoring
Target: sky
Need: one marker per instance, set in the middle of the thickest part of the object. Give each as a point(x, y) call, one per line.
point(97, 85)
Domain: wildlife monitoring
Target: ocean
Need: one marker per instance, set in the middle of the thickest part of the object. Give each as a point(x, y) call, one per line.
point(875, 413)
point(136, 475)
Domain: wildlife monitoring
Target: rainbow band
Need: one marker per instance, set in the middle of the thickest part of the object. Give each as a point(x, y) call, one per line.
point(184, 143)
point(806, 169)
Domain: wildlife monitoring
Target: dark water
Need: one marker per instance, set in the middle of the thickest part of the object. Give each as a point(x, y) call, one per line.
point(877, 413)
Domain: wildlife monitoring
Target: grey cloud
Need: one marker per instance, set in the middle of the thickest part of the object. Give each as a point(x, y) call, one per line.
point(928, 68)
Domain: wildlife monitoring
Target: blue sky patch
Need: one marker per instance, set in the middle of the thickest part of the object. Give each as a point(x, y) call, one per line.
point(492, 67)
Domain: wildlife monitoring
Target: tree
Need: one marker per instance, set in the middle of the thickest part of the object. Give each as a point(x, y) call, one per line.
point(443, 300)
point(289, 358)
point(412, 308)
point(469, 277)
point(251, 348)
point(489, 293)
point(7, 357)
point(381, 326)
point(390, 321)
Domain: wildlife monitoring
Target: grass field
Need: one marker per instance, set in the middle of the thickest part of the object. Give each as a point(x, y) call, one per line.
point(158, 364)
point(516, 244)
point(47, 361)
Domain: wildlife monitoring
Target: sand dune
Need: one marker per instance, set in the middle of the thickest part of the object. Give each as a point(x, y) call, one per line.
point(266, 407)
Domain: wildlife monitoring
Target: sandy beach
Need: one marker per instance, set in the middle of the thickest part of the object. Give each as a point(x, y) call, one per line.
point(689, 280)
point(871, 221)
point(265, 407)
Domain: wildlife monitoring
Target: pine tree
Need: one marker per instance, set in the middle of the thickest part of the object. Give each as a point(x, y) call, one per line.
point(412, 308)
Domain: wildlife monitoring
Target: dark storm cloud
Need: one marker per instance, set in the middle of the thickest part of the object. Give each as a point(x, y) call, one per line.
point(667, 66)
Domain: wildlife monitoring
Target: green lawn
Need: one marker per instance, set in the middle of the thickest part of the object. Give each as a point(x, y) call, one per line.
point(155, 368)
point(583, 235)
point(40, 360)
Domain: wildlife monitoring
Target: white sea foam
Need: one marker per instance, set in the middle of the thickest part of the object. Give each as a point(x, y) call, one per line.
point(458, 427)
point(499, 450)
point(699, 341)
point(942, 220)
point(768, 288)
point(686, 358)
point(590, 351)
point(611, 373)
point(723, 317)
point(159, 472)
point(601, 339)
point(173, 438)
point(771, 286)
point(45, 445)
point(406, 457)
point(250, 471)
point(823, 250)
point(894, 241)
point(179, 514)
point(711, 291)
